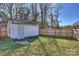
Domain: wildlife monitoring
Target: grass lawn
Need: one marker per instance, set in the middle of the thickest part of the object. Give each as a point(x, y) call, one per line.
point(42, 46)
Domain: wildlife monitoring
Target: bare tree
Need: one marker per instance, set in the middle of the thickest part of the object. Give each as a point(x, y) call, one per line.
point(56, 12)
point(45, 12)
point(44, 8)
point(34, 12)
point(7, 11)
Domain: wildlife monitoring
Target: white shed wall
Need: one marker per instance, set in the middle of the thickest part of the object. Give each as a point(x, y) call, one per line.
point(20, 30)
point(31, 30)
point(12, 30)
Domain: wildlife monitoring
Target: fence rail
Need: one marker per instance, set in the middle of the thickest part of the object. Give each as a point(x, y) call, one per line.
point(60, 32)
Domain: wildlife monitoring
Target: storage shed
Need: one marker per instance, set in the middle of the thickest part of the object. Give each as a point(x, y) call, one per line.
point(20, 29)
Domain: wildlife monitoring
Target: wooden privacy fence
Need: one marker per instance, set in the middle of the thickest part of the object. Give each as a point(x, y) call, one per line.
point(3, 32)
point(60, 32)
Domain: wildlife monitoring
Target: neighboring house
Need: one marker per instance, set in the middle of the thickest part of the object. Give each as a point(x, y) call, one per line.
point(20, 29)
point(76, 24)
point(76, 29)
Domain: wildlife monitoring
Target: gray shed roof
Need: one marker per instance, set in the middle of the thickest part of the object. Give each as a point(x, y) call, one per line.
point(22, 22)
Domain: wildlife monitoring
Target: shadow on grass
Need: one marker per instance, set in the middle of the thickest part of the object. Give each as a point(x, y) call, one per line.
point(54, 41)
point(31, 39)
point(10, 46)
point(25, 41)
point(59, 37)
point(28, 39)
point(60, 51)
point(7, 46)
point(43, 47)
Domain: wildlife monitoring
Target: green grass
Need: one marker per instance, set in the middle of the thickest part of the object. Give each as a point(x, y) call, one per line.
point(42, 46)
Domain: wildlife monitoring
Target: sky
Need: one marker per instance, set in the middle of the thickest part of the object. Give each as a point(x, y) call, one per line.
point(69, 13)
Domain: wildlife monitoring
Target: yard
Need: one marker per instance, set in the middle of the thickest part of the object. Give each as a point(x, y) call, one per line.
point(41, 46)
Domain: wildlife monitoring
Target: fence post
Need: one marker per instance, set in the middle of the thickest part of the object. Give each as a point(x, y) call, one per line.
point(60, 32)
point(72, 33)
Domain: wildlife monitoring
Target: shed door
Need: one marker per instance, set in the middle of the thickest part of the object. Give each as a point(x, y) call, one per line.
point(20, 31)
